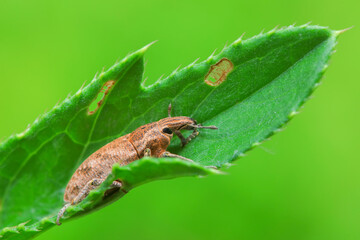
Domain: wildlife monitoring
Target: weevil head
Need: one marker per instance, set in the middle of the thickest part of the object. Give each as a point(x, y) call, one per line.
point(169, 125)
point(156, 136)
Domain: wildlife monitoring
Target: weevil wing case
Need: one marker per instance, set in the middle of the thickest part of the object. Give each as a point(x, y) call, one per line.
point(99, 164)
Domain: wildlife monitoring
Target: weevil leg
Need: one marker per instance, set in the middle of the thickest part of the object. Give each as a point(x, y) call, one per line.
point(114, 187)
point(147, 152)
point(61, 213)
point(169, 154)
point(83, 193)
point(184, 140)
point(193, 135)
point(181, 137)
point(116, 184)
point(86, 189)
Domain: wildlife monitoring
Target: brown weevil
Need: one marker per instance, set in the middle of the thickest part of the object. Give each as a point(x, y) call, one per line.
point(149, 140)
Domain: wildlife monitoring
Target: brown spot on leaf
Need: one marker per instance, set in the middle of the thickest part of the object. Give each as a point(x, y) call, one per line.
point(95, 105)
point(218, 72)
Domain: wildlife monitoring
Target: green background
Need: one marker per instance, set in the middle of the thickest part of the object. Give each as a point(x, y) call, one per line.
point(303, 184)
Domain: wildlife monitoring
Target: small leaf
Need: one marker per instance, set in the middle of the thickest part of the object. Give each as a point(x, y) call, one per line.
point(248, 91)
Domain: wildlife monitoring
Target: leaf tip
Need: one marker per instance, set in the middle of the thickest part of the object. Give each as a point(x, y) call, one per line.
point(193, 63)
point(272, 31)
point(175, 71)
point(217, 171)
point(143, 49)
point(339, 32)
point(210, 58)
point(280, 129)
point(239, 40)
point(293, 113)
point(306, 24)
point(225, 46)
point(228, 165)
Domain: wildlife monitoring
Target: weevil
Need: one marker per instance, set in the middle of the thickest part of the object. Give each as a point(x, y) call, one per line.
point(151, 139)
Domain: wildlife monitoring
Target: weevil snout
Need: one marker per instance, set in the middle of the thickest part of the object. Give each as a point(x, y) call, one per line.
point(196, 126)
point(182, 123)
point(172, 125)
point(186, 123)
point(178, 123)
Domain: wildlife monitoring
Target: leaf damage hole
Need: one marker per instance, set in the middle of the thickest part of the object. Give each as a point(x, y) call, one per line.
point(218, 72)
point(95, 105)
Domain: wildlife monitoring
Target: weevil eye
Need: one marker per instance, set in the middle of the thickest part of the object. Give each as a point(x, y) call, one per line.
point(167, 130)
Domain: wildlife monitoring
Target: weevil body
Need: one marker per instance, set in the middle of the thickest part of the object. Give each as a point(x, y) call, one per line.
point(148, 140)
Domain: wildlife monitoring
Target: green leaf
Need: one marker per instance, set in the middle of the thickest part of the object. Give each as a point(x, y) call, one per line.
point(249, 91)
point(132, 175)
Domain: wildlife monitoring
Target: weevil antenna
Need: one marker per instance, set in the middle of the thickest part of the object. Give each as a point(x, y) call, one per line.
point(200, 126)
point(169, 110)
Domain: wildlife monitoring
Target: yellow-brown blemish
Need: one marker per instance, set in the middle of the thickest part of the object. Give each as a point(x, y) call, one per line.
point(95, 105)
point(218, 72)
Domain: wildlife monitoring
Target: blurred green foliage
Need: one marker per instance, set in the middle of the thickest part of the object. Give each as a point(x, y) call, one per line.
point(301, 185)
